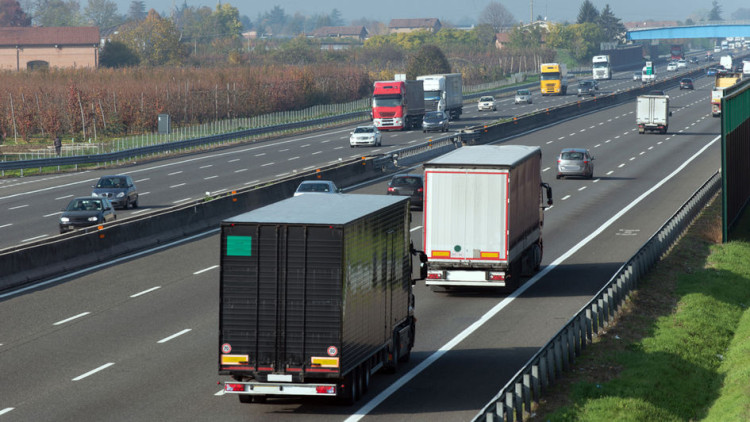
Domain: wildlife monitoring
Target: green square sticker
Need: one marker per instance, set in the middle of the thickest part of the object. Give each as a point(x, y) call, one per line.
point(239, 245)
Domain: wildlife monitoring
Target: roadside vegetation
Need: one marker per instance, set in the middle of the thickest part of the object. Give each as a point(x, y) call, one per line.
point(681, 349)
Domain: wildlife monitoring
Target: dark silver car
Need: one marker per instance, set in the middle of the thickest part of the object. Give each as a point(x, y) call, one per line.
point(411, 185)
point(316, 186)
point(435, 121)
point(119, 189)
point(587, 87)
point(575, 162)
point(523, 96)
point(86, 211)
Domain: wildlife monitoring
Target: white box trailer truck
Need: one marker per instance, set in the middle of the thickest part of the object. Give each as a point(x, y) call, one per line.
point(483, 216)
point(444, 92)
point(652, 113)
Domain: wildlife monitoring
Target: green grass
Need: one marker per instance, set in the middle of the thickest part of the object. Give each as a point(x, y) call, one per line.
point(682, 350)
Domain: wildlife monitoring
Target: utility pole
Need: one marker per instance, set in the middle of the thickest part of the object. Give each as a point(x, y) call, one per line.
point(531, 13)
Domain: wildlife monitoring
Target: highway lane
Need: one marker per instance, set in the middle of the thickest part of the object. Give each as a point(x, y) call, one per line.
point(30, 207)
point(120, 315)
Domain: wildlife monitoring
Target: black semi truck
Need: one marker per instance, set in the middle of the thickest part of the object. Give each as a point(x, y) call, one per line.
point(316, 296)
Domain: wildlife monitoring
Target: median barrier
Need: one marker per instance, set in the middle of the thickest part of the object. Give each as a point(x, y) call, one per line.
point(80, 249)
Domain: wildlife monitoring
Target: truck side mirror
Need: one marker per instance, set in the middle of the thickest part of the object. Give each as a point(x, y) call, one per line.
point(547, 187)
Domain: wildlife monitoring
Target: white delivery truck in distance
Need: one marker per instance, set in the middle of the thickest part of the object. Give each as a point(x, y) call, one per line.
point(600, 68)
point(652, 113)
point(483, 216)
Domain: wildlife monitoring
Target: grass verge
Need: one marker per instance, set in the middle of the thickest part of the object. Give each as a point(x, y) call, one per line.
point(680, 351)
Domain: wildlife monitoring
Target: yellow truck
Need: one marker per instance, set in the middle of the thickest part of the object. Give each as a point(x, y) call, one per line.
point(723, 80)
point(554, 80)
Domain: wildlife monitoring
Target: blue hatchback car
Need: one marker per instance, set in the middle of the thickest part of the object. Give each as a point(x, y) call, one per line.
point(711, 71)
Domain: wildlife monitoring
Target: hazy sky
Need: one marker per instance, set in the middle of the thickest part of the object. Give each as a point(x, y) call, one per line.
point(459, 11)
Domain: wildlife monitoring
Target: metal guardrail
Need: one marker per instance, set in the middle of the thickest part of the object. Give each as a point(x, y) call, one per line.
point(170, 146)
point(514, 400)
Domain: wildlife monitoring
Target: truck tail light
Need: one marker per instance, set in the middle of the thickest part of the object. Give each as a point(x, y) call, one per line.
point(497, 276)
point(435, 275)
point(325, 389)
point(419, 190)
point(391, 190)
point(234, 387)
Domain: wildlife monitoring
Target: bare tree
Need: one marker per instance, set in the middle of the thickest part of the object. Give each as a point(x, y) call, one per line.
point(497, 16)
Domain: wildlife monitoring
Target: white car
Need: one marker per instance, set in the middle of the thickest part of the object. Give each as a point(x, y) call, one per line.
point(316, 186)
point(365, 135)
point(487, 103)
point(681, 63)
point(672, 67)
point(522, 96)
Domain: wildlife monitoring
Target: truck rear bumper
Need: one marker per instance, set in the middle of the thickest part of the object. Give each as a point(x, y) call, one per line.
point(466, 278)
point(279, 389)
point(465, 283)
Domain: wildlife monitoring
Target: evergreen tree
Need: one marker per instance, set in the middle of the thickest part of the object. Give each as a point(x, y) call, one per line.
point(587, 13)
point(427, 60)
point(612, 28)
point(715, 13)
point(117, 54)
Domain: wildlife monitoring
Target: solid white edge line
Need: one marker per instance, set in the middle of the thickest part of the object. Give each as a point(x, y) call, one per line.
point(220, 393)
point(93, 371)
point(6, 410)
point(369, 406)
point(166, 339)
point(146, 291)
point(415, 229)
point(205, 269)
point(71, 318)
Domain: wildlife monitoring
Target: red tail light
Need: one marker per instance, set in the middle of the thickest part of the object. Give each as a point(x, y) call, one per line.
point(419, 190)
point(324, 389)
point(234, 387)
point(391, 190)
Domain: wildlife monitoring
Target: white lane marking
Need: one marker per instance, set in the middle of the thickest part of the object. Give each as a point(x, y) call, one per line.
point(284, 150)
point(146, 291)
point(166, 339)
point(549, 142)
point(581, 188)
point(316, 152)
point(93, 371)
point(143, 180)
point(617, 137)
point(326, 141)
point(651, 147)
point(572, 134)
point(560, 138)
point(267, 164)
point(339, 148)
point(240, 170)
point(596, 180)
point(252, 182)
point(109, 263)
point(50, 215)
point(282, 174)
point(293, 158)
point(260, 154)
point(210, 177)
point(34, 238)
point(610, 172)
point(220, 393)
point(18, 207)
point(415, 228)
point(71, 318)
point(144, 193)
point(205, 167)
point(63, 197)
point(621, 166)
point(631, 159)
point(232, 161)
point(205, 269)
point(546, 169)
point(140, 211)
point(582, 130)
point(173, 173)
point(304, 146)
point(597, 145)
point(642, 152)
point(6, 225)
point(565, 197)
point(395, 386)
point(309, 168)
point(177, 185)
point(181, 200)
point(6, 410)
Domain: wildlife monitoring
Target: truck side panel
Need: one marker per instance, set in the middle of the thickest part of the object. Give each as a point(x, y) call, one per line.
point(525, 180)
point(465, 215)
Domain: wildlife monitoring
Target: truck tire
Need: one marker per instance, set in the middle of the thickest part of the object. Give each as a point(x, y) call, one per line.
point(365, 386)
point(350, 393)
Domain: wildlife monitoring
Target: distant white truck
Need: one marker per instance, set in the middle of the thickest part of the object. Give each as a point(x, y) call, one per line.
point(601, 68)
point(652, 113)
point(648, 73)
point(444, 92)
point(483, 216)
point(726, 62)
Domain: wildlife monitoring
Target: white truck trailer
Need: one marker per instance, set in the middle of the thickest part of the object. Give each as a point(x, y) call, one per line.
point(601, 68)
point(444, 92)
point(652, 113)
point(483, 216)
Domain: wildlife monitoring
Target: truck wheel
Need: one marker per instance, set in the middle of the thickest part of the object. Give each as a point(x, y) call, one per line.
point(365, 377)
point(350, 393)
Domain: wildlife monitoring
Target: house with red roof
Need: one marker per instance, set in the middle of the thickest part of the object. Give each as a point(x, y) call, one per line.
point(23, 48)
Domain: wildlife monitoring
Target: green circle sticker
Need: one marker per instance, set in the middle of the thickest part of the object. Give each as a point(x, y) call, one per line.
point(457, 248)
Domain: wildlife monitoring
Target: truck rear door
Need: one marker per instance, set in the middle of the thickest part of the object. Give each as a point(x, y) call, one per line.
point(465, 215)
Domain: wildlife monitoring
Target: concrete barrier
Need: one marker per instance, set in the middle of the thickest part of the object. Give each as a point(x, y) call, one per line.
point(80, 249)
